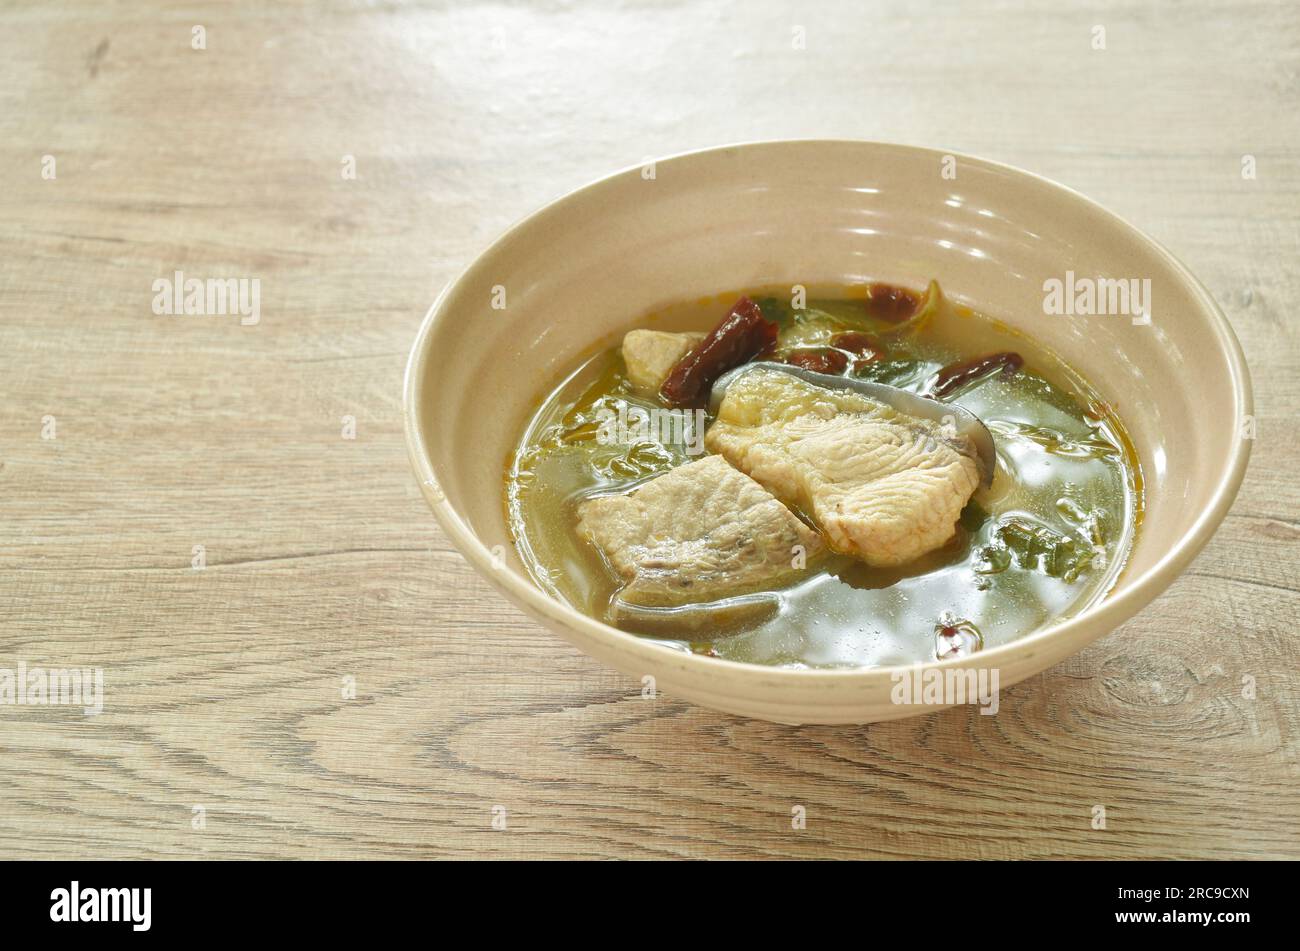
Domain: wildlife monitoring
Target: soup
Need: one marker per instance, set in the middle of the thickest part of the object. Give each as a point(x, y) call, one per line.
point(819, 526)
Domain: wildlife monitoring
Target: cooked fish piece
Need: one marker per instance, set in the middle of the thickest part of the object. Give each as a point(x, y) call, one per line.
point(650, 355)
point(698, 533)
point(881, 485)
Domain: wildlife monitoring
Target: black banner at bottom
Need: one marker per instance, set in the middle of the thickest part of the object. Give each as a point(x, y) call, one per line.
point(138, 900)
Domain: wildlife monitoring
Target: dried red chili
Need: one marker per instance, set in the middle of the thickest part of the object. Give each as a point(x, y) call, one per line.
point(865, 346)
point(956, 375)
point(892, 304)
point(818, 359)
point(738, 338)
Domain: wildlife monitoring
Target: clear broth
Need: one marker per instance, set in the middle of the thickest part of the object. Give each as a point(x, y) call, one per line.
point(1047, 540)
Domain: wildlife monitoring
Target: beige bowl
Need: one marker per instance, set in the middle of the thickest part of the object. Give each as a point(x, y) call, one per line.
point(578, 274)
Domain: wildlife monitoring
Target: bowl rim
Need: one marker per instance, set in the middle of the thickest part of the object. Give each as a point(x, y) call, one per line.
point(1094, 622)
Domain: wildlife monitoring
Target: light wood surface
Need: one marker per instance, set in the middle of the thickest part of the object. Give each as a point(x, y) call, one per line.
point(224, 686)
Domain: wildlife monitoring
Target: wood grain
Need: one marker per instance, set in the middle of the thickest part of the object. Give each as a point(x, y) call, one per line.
point(224, 685)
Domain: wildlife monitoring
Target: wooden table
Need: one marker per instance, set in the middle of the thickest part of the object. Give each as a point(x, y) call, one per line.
point(225, 684)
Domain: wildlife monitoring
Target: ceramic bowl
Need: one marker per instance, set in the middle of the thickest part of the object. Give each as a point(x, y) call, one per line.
point(576, 275)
